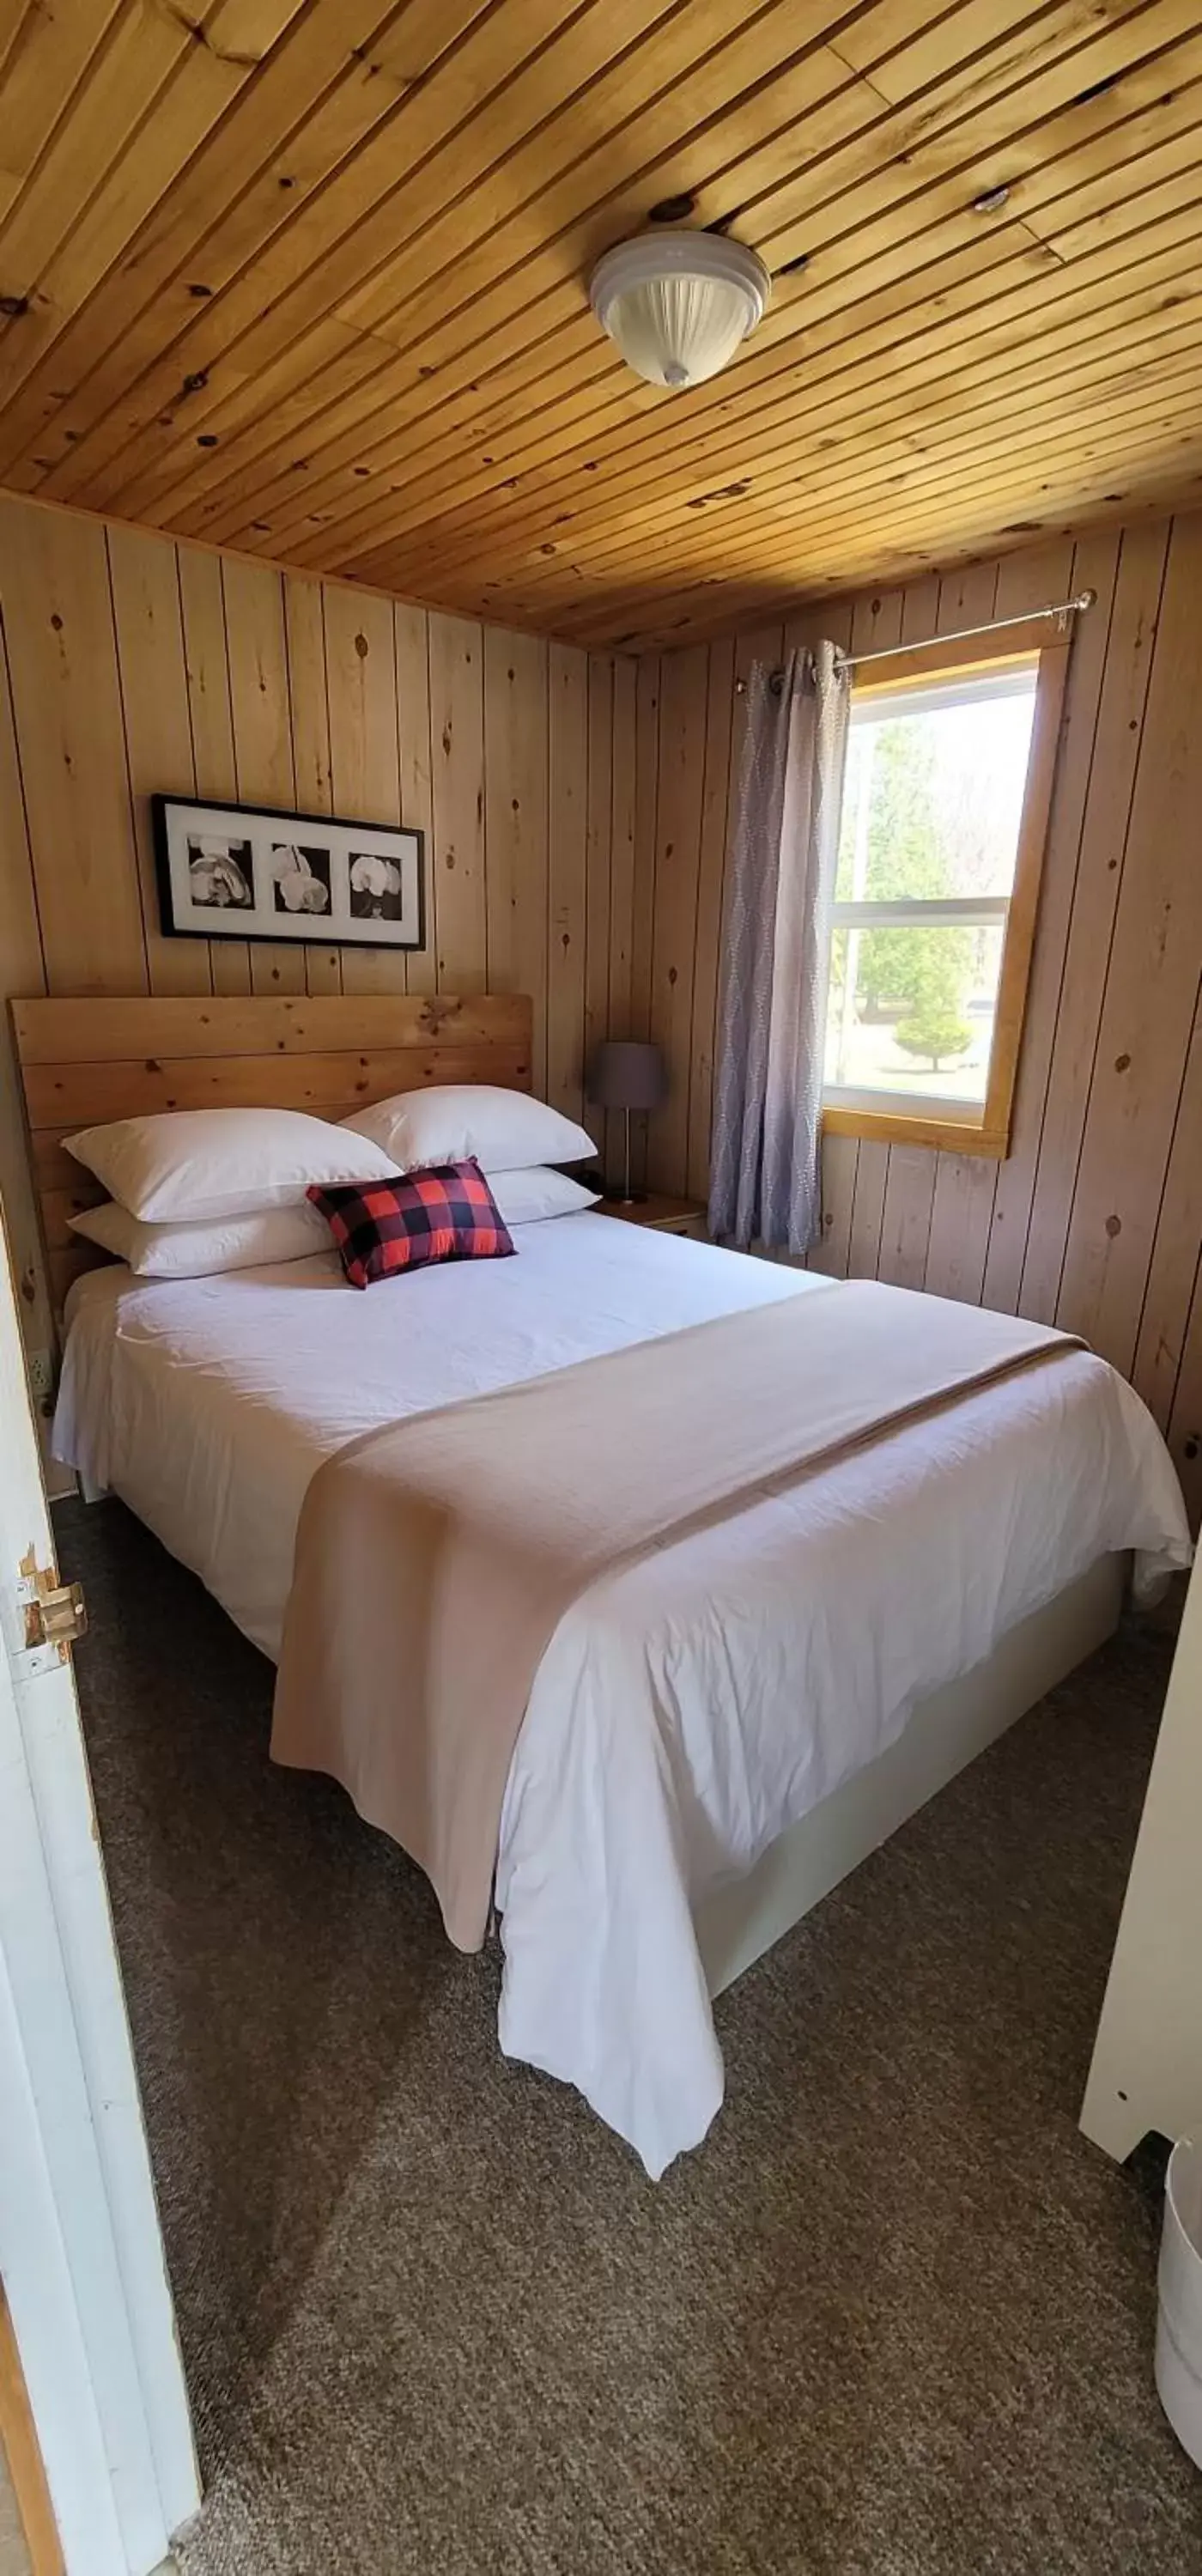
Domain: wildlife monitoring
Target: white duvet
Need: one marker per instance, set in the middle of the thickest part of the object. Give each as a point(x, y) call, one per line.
point(765, 1659)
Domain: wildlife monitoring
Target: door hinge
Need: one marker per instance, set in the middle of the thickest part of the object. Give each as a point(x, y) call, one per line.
point(54, 1613)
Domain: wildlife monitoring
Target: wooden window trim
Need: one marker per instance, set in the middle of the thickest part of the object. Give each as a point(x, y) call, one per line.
point(988, 1136)
point(18, 2436)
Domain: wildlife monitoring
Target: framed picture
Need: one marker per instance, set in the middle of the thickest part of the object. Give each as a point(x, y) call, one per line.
point(253, 872)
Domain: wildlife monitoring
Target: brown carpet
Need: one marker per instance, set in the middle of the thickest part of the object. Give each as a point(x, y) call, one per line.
point(894, 2319)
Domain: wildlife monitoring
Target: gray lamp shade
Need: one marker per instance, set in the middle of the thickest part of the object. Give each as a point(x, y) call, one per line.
point(627, 1073)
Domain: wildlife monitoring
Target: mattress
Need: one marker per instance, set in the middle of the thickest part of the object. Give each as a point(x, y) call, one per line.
point(208, 1404)
point(689, 1707)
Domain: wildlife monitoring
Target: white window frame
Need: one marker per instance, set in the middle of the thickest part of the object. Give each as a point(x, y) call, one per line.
point(964, 1125)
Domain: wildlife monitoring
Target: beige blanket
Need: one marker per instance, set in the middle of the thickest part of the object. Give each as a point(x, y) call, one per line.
point(436, 1557)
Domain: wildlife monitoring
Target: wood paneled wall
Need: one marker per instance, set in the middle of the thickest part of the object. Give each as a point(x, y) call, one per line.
point(1095, 1219)
point(131, 663)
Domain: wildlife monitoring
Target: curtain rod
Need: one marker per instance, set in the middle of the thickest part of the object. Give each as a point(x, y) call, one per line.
point(1062, 609)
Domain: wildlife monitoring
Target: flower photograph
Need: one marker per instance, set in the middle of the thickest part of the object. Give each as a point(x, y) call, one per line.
point(221, 872)
point(375, 887)
point(300, 877)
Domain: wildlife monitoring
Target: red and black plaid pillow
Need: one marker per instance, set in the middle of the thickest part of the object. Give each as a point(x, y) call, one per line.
point(446, 1213)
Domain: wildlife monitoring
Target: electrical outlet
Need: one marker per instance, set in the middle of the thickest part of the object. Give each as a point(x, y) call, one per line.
point(41, 1375)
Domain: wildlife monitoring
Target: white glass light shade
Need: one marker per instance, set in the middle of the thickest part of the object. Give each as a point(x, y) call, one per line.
point(677, 305)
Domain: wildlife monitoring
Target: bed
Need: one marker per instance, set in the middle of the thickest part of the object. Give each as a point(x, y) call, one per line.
point(791, 1681)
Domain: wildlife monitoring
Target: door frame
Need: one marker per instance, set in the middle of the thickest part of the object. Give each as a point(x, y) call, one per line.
point(81, 2251)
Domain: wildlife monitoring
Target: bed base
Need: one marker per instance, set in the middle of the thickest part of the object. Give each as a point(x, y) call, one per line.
point(739, 1921)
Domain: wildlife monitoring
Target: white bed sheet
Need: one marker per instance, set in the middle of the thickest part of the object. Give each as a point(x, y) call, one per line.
point(694, 1705)
point(208, 1404)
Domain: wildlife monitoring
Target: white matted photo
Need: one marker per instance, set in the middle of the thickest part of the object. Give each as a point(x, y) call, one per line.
point(252, 872)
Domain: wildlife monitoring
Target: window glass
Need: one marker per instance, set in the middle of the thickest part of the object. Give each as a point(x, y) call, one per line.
point(932, 807)
point(914, 1016)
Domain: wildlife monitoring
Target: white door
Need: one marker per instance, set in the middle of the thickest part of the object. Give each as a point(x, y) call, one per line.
point(1147, 2060)
point(81, 2255)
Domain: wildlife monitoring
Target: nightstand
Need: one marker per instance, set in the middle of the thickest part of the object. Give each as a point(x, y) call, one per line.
point(667, 1215)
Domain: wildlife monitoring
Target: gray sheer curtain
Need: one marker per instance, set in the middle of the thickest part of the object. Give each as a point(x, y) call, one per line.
point(771, 1022)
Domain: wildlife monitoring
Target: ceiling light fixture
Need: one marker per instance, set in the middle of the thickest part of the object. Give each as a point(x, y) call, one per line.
point(678, 304)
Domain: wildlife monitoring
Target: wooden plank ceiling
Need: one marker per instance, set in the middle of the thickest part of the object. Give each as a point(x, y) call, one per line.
point(308, 278)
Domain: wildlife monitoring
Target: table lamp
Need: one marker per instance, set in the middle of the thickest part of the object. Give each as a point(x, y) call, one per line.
point(626, 1074)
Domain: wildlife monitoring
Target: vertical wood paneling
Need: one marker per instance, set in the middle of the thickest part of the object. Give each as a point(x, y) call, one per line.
point(516, 768)
point(211, 715)
point(360, 654)
point(411, 648)
point(906, 1216)
point(457, 757)
point(264, 766)
point(22, 970)
point(308, 695)
point(868, 1210)
point(832, 1251)
point(678, 832)
point(58, 614)
point(511, 768)
point(567, 882)
point(1105, 759)
point(158, 733)
point(1025, 582)
point(305, 637)
point(646, 793)
point(202, 599)
point(967, 597)
point(598, 841)
point(1151, 987)
point(920, 607)
point(621, 884)
point(961, 1216)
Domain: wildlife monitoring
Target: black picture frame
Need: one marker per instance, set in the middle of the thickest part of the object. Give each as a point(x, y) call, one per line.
point(227, 871)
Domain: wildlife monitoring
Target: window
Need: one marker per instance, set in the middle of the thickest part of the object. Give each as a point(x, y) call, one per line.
point(945, 803)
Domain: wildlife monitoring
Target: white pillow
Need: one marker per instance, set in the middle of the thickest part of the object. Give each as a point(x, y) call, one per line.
point(190, 1164)
point(201, 1251)
point(524, 1197)
point(506, 1131)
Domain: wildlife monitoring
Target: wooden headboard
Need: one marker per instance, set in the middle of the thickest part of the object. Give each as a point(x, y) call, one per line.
point(83, 1062)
